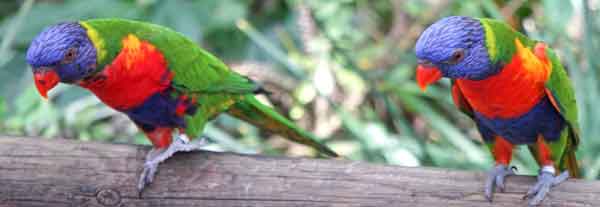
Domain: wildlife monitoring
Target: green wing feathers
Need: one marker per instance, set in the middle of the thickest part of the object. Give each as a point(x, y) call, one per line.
point(251, 110)
point(560, 88)
point(562, 91)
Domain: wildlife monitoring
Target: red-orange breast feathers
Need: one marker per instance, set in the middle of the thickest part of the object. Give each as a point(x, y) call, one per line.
point(520, 85)
point(138, 71)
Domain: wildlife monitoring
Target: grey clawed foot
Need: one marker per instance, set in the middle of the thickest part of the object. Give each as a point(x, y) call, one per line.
point(496, 179)
point(546, 180)
point(156, 156)
point(146, 177)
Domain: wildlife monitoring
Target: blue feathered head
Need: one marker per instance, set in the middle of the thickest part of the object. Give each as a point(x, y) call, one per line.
point(61, 53)
point(453, 47)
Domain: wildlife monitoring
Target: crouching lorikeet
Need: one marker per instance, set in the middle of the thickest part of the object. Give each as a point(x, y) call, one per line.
point(160, 79)
point(513, 87)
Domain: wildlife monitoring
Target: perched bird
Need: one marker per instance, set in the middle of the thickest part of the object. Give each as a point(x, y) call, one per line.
point(165, 83)
point(513, 87)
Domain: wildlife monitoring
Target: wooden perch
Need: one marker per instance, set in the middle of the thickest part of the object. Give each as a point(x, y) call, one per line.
point(42, 172)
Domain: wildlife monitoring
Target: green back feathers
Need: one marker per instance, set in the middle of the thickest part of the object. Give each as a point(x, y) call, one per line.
point(500, 38)
point(195, 69)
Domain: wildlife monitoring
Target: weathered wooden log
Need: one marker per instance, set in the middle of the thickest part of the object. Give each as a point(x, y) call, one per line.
point(56, 172)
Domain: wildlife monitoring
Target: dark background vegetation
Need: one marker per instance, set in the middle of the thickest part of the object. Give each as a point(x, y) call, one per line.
point(341, 68)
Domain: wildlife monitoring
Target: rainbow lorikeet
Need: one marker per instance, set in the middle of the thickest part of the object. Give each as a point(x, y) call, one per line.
point(160, 79)
point(513, 87)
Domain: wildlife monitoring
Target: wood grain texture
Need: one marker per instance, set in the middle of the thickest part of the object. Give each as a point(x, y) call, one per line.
point(57, 173)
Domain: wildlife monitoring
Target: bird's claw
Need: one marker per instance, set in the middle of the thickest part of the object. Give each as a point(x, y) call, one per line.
point(156, 156)
point(147, 176)
point(546, 181)
point(496, 179)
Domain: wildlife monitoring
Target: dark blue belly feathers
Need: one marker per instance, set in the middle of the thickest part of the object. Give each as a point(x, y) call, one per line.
point(541, 119)
point(163, 109)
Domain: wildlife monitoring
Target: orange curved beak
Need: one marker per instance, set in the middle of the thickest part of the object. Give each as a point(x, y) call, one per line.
point(427, 75)
point(45, 79)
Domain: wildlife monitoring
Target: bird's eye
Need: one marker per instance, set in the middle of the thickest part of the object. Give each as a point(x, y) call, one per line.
point(456, 57)
point(69, 56)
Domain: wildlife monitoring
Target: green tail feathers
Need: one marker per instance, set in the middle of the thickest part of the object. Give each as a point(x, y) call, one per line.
point(569, 160)
point(251, 110)
point(571, 164)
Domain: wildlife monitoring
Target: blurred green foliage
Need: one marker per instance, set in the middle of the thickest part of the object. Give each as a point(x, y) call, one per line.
point(341, 68)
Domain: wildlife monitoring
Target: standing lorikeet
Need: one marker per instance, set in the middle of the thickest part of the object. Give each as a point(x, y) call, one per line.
point(513, 87)
point(160, 79)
